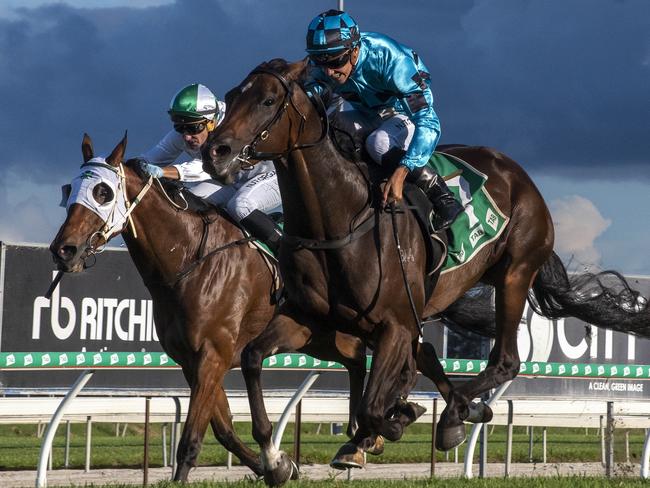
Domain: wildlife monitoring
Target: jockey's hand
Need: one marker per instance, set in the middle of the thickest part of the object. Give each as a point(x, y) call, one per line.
point(150, 169)
point(395, 185)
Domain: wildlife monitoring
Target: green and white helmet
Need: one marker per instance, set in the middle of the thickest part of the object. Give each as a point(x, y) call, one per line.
point(194, 103)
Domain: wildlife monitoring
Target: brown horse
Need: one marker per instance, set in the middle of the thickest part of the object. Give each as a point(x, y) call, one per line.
point(211, 291)
point(342, 269)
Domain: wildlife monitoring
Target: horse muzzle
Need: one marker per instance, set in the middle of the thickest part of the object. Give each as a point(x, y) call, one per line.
point(68, 257)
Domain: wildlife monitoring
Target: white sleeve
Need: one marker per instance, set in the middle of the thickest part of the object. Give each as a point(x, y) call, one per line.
point(167, 150)
point(192, 171)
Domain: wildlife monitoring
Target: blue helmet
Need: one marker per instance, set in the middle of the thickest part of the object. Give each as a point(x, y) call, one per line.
point(332, 31)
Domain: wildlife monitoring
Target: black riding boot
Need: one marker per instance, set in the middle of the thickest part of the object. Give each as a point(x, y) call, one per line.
point(446, 206)
point(262, 227)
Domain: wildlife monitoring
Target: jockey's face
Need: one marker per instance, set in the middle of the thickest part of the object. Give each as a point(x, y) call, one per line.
point(340, 74)
point(195, 141)
point(195, 134)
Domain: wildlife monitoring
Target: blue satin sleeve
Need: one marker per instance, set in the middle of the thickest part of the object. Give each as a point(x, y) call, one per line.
point(404, 77)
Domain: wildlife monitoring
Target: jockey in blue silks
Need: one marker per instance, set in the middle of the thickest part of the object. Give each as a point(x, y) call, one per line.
point(384, 92)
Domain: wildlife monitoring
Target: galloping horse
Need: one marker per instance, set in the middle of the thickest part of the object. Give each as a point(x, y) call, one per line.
point(212, 292)
point(342, 269)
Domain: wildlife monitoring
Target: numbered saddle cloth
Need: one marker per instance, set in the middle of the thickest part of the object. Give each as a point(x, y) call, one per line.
point(481, 222)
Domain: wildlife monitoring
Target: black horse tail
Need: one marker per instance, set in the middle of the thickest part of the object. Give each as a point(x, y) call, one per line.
point(603, 299)
point(473, 312)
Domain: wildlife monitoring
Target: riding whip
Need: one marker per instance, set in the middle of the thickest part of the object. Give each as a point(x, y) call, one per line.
point(54, 284)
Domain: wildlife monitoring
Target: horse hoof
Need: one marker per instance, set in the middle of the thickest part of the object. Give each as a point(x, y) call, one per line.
point(415, 411)
point(449, 437)
point(479, 413)
point(295, 472)
point(392, 430)
point(378, 447)
point(281, 472)
point(348, 456)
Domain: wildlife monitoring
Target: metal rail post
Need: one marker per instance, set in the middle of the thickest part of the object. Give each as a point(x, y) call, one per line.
point(483, 452)
point(176, 433)
point(471, 443)
point(531, 431)
point(297, 396)
point(145, 463)
point(164, 444)
point(46, 445)
point(645, 456)
point(66, 460)
point(603, 461)
point(296, 433)
point(509, 440)
point(544, 445)
point(89, 435)
point(432, 471)
point(609, 460)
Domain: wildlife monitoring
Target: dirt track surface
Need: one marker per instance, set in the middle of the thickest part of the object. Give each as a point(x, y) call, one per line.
point(98, 477)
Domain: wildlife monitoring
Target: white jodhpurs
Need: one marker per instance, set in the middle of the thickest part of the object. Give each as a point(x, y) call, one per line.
point(242, 197)
point(380, 134)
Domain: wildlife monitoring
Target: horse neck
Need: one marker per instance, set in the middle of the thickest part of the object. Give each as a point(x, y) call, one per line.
point(324, 194)
point(167, 239)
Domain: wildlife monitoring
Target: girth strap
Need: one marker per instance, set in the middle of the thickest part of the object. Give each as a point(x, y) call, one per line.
point(296, 242)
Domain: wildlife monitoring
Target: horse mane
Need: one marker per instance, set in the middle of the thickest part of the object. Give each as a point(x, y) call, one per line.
point(173, 189)
point(296, 71)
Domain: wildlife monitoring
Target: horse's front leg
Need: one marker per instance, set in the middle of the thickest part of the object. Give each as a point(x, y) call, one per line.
point(393, 371)
point(283, 334)
point(350, 351)
point(224, 431)
point(204, 379)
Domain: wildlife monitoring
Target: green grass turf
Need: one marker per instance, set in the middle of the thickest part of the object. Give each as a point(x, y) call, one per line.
point(19, 446)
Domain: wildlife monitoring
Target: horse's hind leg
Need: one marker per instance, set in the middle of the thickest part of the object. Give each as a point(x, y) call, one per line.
point(224, 431)
point(204, 380)
point(503, 363)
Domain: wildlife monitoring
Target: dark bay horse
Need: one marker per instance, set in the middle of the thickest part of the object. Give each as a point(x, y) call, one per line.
point(342, 269)
point(211, 291)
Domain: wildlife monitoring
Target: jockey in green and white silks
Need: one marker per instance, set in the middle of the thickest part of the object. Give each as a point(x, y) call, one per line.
point(384, 93)
point(195, 111)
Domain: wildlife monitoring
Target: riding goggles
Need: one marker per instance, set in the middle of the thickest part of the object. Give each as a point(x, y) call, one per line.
point(331, 61)
point(190, 129)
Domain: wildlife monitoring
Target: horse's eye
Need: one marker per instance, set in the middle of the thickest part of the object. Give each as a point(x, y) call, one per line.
point(103, 194)
point(269, 101)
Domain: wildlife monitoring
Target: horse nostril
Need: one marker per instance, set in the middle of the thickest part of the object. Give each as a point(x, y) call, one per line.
point(67, 252)
point(221, 151)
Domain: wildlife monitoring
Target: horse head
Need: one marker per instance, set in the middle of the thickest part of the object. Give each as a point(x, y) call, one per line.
point(96, 208)
point(265, 119)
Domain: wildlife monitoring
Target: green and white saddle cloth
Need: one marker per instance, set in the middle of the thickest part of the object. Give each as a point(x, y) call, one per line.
point(482, 221)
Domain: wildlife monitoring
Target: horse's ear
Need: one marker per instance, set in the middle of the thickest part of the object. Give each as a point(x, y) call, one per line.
point(87, 148)
point(118, 153)
point(297, 70)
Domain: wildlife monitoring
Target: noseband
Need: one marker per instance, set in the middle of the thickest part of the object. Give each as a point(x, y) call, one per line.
point(249, 151)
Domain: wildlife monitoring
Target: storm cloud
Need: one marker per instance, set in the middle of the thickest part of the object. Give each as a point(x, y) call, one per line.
point(561, 87)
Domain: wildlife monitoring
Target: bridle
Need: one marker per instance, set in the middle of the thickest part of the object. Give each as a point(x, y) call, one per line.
point(249, 151)
point(112, 226)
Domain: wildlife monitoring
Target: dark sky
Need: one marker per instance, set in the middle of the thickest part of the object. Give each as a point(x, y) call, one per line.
point(562, 86)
